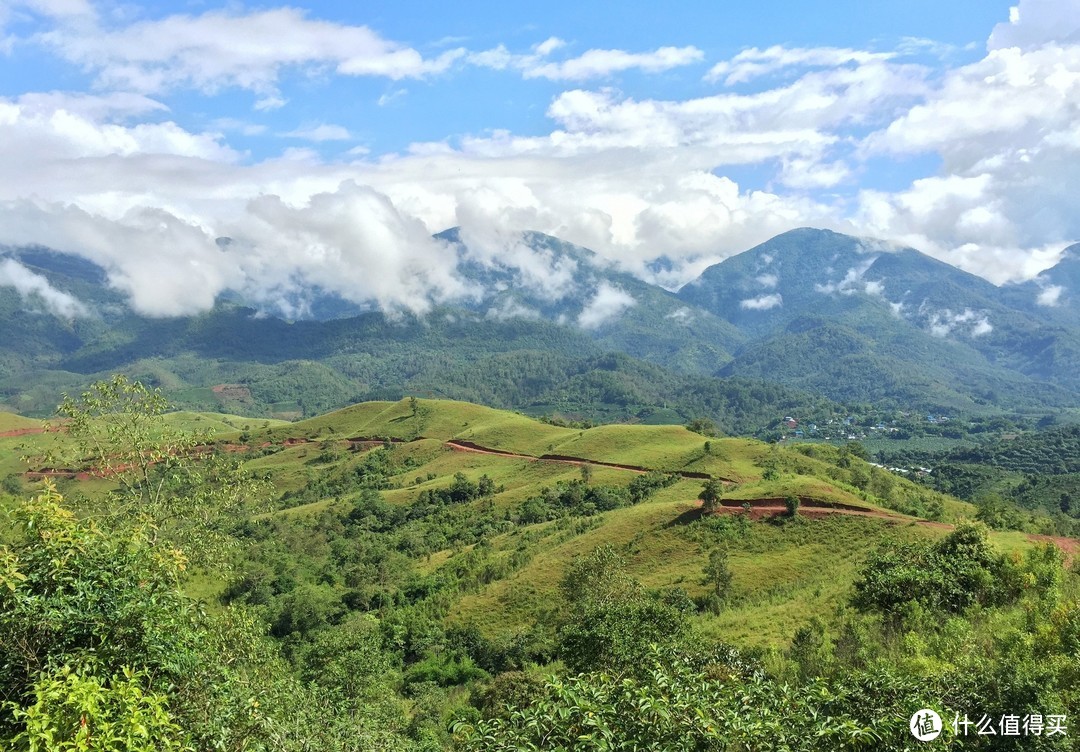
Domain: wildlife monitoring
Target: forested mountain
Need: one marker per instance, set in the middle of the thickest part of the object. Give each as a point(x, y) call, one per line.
point(1054, 294)
point(827, 314)
point(859, 319)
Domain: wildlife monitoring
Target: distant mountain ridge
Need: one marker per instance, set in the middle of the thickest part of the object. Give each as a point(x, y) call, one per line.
point(857, 319)
point(853, 319)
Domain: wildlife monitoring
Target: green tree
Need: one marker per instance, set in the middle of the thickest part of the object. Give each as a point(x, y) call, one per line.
point(168, 482)
point(711, 493)
point(718, 702)
point(718, 574)
point(612, 619)
point(75, 710)
point(586, 472)
point(704, 426)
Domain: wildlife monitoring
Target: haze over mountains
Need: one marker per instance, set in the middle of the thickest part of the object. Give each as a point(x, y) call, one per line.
point(852, 319)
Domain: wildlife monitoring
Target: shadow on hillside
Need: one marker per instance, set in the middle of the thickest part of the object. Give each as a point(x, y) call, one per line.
point(685, 518)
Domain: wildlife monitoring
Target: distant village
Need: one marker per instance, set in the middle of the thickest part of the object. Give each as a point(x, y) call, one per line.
point(851, 428)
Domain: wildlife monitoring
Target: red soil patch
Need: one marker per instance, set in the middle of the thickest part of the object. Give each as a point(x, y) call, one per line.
point(31, 431)
point(808, 507)
point(232, 391)
point(1069, 546)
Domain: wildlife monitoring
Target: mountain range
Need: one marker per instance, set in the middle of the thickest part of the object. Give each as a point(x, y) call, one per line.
point(808, 319)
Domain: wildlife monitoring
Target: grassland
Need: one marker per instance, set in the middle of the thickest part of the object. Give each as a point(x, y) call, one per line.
point(786, 571)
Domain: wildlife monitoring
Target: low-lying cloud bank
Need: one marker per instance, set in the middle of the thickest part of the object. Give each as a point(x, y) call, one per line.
point(111, 177)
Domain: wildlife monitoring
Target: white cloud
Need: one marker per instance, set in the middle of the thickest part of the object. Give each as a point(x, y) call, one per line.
point(112, 176)
point(67, 10)
point(944, 322)
point(767, 280)
point(509, 308)
point(1033, 23)
point(269, 103)
point(233, 49)
point(1005, 129)
point(853, 281)
point(33, 287)
point(762, 303)
point(601, 63)
point(754, 62)
point(40, 133)
point(608, 303)
point(595, 63)
point(320, 132)
point(391, 97)
point(875, 287)
point(1050, 296)
point(239, 126)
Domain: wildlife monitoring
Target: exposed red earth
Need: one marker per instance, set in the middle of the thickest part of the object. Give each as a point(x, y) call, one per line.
point(14, 432)
point(808, 507)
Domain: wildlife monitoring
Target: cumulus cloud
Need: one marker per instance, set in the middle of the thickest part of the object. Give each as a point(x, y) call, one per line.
point(34, 288)
point(1005, 129)
point(232, 49)
point(1033, 23)
point(608, 303)
point(762, 303)
point(1050, 295)
point(114, 175)
point(351, 241)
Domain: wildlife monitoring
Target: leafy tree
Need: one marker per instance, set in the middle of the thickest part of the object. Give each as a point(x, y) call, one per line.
point(718, 573)
point(168, 484)
point(715, 703)
point(959, 570)
point(70, 593)
point(586, 472)
point(704, 426)
point(75, 710)
point(711, 493)
point(613, 620)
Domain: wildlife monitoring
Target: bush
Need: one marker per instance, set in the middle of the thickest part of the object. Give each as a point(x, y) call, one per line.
point(791, 503)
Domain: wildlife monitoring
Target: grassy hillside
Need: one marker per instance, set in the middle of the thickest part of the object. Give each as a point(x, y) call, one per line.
point(785, 572)
point(429, 544)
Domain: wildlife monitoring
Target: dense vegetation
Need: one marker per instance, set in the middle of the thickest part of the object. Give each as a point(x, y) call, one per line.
point(399, 594)
point(1037, 471)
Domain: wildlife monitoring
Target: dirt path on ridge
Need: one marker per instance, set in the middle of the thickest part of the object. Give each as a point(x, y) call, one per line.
point(809, 507)
point(460, 445)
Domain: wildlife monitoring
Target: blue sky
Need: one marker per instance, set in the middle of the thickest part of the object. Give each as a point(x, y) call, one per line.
point(331, 139)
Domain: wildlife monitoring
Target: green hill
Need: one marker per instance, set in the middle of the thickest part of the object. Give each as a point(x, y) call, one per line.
point(428, 545)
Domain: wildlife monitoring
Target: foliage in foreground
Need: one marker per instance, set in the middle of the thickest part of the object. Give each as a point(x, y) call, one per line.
point(681, 704)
